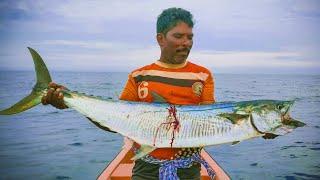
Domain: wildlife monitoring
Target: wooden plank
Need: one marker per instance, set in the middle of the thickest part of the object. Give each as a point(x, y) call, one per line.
point(123, 172)
point(107, 172)
point(220, 173)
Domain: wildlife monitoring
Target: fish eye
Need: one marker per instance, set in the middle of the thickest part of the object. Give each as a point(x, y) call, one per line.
point(280, 106)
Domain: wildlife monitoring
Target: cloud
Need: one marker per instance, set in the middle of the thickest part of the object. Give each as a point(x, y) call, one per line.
point(109, 56)
point(213, 14)
point(252, 59)
point(101, 45)
point(119, 35)
point(308, 8)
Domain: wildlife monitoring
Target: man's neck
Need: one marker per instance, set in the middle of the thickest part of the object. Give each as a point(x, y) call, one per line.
point(169, 65)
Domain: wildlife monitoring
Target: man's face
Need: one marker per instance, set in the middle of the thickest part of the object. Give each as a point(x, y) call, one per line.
point(176, 44)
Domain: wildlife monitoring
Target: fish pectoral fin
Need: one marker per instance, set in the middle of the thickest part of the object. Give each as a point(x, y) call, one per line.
point(143, 151)
point(269, 136)
point(233, 117)
point(235, 142)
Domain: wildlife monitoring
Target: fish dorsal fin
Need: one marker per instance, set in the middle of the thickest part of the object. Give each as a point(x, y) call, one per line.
point(157, 98)
point(143, 151)
point(233, 117)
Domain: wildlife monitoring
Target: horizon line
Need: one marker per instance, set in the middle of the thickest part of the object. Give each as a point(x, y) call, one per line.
point(107, 71)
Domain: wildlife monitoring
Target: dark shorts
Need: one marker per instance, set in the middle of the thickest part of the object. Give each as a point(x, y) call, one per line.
point(143, 170)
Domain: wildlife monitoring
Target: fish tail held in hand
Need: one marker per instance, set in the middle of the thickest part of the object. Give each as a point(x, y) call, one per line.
point(38, 91)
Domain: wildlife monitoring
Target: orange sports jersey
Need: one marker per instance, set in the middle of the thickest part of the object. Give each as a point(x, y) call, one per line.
point(183, 84)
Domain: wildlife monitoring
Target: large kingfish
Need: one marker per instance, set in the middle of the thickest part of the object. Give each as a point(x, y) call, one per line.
point(158, 125)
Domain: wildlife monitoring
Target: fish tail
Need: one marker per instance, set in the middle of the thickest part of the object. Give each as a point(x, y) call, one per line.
point(34, 98)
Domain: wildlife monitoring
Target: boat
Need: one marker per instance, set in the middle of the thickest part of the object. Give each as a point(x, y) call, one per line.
point(120, 168)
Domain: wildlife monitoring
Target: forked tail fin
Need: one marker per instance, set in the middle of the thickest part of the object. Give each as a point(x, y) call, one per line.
point(34, 98)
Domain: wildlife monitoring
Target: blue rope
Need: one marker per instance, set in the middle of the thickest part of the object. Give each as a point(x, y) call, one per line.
point(168, 168)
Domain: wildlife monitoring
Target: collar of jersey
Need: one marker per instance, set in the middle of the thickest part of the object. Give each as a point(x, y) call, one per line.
point(171, 66)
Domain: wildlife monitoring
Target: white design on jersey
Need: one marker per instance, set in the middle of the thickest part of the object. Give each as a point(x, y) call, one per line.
point(143, 90)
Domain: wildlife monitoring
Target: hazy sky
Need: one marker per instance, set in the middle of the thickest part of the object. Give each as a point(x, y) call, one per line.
point(272, 36)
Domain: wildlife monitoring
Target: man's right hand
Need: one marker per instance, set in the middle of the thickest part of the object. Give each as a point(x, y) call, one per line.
point(54, 96)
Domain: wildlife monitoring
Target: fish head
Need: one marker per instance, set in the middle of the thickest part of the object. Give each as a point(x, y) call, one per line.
point(273, 117)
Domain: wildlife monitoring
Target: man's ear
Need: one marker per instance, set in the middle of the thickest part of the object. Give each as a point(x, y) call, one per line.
point(160, 39)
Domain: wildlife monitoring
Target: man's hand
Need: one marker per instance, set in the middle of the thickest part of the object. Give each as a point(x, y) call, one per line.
point(269, 136)
point(54, 96)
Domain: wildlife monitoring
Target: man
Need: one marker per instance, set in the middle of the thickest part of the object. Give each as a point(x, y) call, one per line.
point(172, 79)
point(175, 79)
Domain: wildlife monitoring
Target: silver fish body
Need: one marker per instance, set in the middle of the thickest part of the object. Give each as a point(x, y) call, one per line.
point(204, 125)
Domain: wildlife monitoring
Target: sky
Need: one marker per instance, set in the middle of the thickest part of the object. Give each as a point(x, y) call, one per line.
point(247, 36)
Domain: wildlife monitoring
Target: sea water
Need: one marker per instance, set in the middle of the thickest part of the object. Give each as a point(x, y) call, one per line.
point(46, 143)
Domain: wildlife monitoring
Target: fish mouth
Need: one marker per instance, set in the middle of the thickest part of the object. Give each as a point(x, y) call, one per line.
point(288, 121)
point(288, 125)
point(280, 123)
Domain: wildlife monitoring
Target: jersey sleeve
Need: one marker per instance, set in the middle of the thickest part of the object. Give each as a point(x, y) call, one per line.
point(130, 91)
point(207, 96)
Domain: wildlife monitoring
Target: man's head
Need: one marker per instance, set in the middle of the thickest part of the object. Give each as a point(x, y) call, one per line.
point(174, 35)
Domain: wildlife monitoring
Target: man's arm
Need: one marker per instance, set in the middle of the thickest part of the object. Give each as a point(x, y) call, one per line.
point(130, 91)
point(207, 96)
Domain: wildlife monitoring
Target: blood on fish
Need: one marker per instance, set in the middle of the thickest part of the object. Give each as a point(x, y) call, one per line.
point(175, 124)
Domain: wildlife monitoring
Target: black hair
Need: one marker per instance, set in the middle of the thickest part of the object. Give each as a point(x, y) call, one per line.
point(169, 18)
